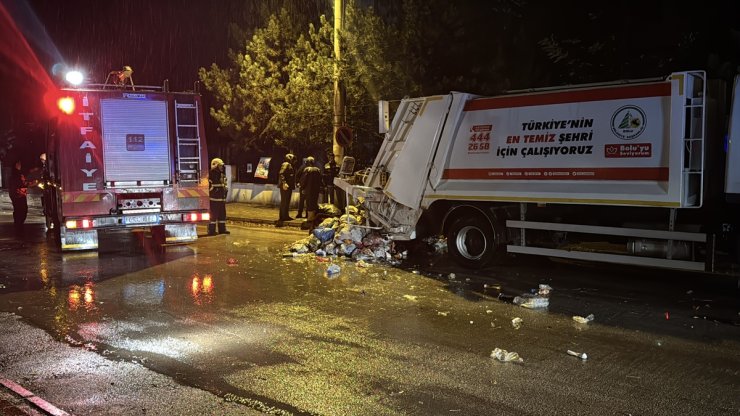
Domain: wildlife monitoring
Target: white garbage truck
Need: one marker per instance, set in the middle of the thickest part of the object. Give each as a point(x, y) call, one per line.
point(639, 172)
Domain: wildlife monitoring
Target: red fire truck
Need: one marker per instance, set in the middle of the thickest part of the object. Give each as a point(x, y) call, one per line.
point(126, 157)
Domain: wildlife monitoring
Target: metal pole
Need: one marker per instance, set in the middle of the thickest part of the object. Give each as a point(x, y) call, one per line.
point(339, 116)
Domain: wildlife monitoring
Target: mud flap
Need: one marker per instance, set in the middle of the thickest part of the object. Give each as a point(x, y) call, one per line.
point(175, 233)
point(78, 239)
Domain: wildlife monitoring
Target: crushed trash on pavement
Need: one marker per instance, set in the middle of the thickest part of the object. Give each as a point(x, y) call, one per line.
point(582, 356)
point(516, 322)
point(506, 356)
point(582, 320)
point(410, 297)
point(538, 300)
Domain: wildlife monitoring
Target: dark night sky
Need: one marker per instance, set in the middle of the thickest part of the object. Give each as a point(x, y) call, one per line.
point(159, 39)
point(171, 39)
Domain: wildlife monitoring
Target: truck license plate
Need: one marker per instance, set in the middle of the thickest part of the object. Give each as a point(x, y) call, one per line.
point(141, 219)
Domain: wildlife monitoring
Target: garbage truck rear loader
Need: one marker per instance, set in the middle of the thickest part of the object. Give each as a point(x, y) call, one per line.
point(632, 172)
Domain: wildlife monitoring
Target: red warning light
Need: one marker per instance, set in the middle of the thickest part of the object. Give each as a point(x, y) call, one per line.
point(66, 104)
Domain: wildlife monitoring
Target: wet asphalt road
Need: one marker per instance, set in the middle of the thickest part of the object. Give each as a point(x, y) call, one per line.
point(229, 326)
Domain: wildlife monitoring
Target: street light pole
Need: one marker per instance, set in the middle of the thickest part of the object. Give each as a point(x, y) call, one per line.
point(339, 116)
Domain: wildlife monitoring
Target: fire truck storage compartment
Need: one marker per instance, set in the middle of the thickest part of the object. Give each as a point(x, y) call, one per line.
point(136, 142)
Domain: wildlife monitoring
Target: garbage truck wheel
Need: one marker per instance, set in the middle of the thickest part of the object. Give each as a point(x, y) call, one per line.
point(471, 242)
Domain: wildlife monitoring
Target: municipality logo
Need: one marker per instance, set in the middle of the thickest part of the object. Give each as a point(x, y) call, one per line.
point(628, 122)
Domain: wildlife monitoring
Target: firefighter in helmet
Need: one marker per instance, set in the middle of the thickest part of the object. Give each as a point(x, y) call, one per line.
point(217, 193)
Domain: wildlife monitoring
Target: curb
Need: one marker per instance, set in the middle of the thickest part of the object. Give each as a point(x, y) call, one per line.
point(258, 221)
point(29, 396)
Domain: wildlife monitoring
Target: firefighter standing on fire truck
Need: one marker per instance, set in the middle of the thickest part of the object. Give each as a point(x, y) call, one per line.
point(217, 194)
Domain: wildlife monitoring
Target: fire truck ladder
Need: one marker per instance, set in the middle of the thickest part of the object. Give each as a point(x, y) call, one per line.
point(188, 142)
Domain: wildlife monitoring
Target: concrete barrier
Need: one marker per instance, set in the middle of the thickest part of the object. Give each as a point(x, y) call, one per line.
point(258, 194)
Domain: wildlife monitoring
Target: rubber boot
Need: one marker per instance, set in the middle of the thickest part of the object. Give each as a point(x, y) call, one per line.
point(222, 228)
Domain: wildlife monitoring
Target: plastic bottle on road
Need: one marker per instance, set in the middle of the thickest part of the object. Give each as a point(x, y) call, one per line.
point(582, 356)
point(332, 270)
point(534, 302)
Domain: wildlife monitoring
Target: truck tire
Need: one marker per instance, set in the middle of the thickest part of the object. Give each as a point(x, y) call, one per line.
point(471, 242)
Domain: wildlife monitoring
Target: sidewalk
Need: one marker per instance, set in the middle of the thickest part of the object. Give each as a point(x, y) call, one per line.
point(258, 214)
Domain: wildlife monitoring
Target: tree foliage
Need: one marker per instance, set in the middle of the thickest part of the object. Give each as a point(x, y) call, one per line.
point(246, 92)
point(279, 87)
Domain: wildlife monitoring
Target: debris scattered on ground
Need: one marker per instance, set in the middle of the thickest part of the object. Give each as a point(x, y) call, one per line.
point(582, 356)
point(410, 297)
point(232, 261)
point(516, 322)
point(506, 356)
point(538, 300)
point(437, 244)
point(443, 313)
point(363, 264)
point(582, 320)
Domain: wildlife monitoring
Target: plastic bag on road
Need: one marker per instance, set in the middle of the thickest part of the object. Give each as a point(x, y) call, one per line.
point(532, 302)
point(324, 234)
point(540, 300)
point(506, 356)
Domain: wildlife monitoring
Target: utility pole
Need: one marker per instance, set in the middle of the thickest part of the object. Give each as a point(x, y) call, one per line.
point(339, 116)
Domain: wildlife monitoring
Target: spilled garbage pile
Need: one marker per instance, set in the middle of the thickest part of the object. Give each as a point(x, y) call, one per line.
point(346, 236)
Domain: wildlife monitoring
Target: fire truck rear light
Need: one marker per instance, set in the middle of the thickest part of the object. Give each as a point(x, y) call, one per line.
point(71, 224)
point(196, 216)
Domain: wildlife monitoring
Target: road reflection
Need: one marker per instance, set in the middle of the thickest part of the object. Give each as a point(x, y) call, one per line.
point(81, 297)
point(201, 289)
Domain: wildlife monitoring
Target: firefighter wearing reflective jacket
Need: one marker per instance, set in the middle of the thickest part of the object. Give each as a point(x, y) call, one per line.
point(217, 192)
